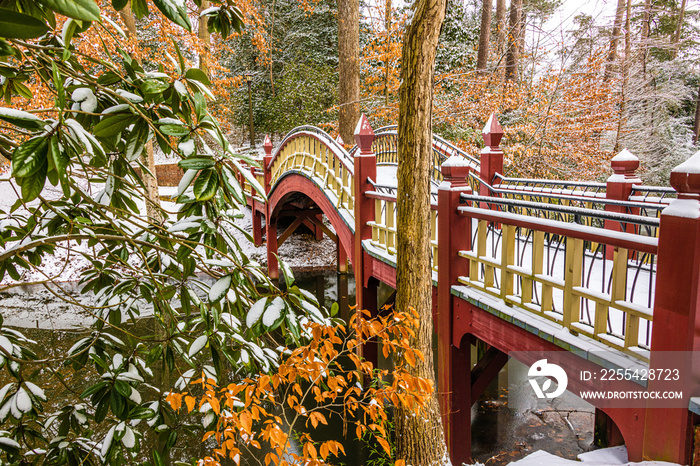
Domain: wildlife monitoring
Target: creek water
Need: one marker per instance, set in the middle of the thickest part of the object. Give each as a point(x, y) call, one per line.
point(506, 424)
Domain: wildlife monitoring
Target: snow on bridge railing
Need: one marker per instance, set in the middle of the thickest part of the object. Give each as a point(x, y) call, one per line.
point(537, 186)
point(593, 281)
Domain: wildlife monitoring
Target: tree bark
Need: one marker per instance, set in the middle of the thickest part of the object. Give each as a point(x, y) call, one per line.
point(696, 126)
point(625, 75)
point(420, 439)
point(484, 36)
point(204, 37)
point(501, 28)
point(513, 53)
point(349, 58)
point(644, 39)
point(387, 27)
point(676, 40)
point(148, 158)
point(612, 53)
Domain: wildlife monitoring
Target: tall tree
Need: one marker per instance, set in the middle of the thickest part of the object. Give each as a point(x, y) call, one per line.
point(644, 35)
point(696, 125)
point(514, 31)
point(484, 36)
point(625, 73)
point(204, 37)
point(420, 440)
point(501, 28)
point(676, 39)
point(614, 39)
point(349, 66)
point(150, 180)
point(387, 70)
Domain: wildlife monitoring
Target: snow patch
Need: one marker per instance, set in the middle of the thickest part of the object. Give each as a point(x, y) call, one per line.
point(85, 98)
point(625, 156)
point(686, 208)
point(456, 161)
point(692, 165)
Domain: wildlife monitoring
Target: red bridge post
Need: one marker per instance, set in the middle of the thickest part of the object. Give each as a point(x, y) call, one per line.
point(365, 168)
point(491, 154)
point(668, 436)
point(454, 364)
point(257, 213)
point(619, 188)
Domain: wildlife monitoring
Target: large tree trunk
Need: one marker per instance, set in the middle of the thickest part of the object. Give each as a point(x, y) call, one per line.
point(204, 37)
point(387, 26)
point(349, 58)
point(614, 39)
point(676, 40)
point(484, 36)
point(696, 126)
point(502, 29)
point(644, 35)
point(514, 30)
point(420, 440)
point(148, 158)
point(625, 76)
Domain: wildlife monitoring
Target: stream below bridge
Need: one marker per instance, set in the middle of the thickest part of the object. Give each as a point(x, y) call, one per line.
point(506, 424)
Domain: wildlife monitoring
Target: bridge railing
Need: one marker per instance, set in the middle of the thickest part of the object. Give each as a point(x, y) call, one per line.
point(551, 262)
point(312, 152)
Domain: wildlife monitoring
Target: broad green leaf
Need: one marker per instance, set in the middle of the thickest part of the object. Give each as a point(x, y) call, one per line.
point(33, 184)
point(198, 75)
point(58, 83)
point(136, 141)
point(219, 289)
point(231, 182)
point(250, 178)
point(176, 11)
point(174, 130)
point(15, 25)
point(205, 185)
point(119, 4)
point(22, 119)
point(140, 8)
point(28, 158)
point(154, 86)
point(6, 49)
point(196, 163)
point(86, 10)
point(112, 125)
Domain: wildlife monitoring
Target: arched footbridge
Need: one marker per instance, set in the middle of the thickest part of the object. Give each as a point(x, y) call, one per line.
point(604, 276)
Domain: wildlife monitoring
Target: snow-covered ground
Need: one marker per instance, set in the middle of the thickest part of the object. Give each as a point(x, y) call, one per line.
point(602, 457)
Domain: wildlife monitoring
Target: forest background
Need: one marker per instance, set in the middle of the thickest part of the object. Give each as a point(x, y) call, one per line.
point(570, 92)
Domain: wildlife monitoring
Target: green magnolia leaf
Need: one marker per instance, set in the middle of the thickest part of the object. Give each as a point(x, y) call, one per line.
point(15, 25)
point(33, 184)
point(140, 8)
point(175, 130)
point(119, 4)
point(136, 141)
point(6, 49)
point(154, 86)
point(198, 75)
point(28, 158)
point(113, 125)
point(175, 11)
point(86, 10)
point(205, 185)
point(22, 119)
point(196, 163)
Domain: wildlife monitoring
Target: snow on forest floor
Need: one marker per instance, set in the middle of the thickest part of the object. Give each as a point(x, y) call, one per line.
point(603, 457)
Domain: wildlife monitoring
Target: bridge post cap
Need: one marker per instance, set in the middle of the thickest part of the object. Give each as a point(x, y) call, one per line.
point(455, 170)
point(364, 135)
point(267, 145)
point(685, 178)
point(492, 132)
point(625, 163)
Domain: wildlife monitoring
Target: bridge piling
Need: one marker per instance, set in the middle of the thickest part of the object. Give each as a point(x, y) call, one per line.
point(668, 437)
point(454, 382)
point(619, 188)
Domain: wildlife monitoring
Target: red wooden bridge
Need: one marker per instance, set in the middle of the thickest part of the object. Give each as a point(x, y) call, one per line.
point(605, 273)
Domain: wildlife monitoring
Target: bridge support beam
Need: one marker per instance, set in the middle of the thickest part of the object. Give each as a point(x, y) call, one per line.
point(272, 264)
point(454, 382)
point(668, 437)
